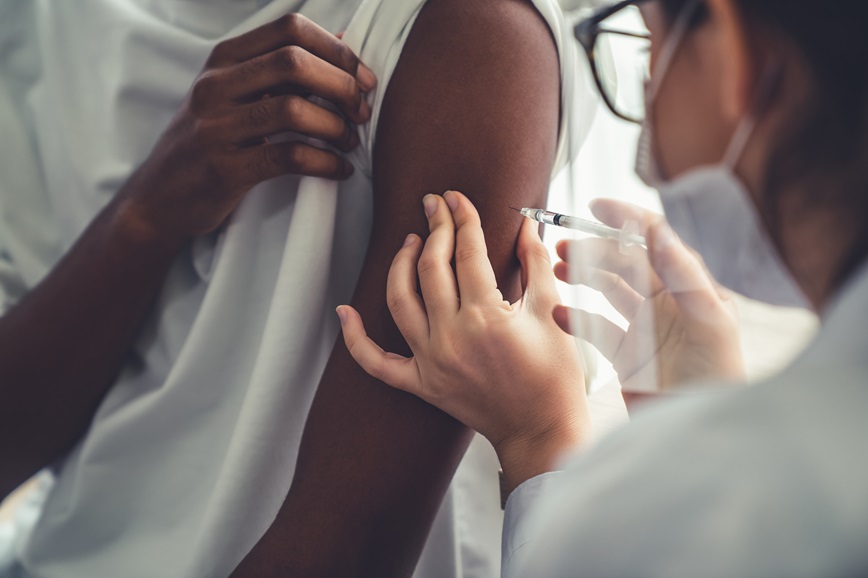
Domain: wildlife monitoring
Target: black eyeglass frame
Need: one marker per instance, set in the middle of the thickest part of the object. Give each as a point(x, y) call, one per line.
point(588, 31)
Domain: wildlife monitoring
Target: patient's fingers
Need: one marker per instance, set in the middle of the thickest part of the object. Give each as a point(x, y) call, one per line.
point(476, 280)
point(288, 31)
point(623, 298)
point(406, 306)
point(290, 113)
point(399, 372)
point(439, 289)
point(296, 68)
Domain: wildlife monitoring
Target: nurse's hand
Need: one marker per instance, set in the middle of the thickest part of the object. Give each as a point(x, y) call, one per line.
point(253, 87)
point(505, 370)
point(683, 327)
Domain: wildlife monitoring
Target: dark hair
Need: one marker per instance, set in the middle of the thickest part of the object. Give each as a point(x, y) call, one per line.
point(825, 150)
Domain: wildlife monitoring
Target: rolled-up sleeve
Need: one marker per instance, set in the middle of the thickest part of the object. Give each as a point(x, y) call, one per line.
point(519, 528)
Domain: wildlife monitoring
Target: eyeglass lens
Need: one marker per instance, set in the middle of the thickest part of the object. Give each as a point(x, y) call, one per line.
point(622, 58)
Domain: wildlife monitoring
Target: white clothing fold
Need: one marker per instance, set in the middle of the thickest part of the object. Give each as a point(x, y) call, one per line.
point(191, 454)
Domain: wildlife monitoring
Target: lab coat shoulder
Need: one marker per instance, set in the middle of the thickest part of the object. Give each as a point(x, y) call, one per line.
point(769, 480)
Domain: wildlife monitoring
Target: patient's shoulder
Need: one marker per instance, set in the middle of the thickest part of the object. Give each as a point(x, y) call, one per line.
point(495, 26)
point(473, 105)
point(475, 74)
point(475, 41)
point(433, 54)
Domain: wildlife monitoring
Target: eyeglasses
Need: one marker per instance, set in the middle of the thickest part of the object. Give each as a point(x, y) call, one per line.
point(618, 47)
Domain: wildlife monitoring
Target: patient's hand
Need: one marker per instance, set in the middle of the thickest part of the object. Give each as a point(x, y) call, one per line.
point(253, 87)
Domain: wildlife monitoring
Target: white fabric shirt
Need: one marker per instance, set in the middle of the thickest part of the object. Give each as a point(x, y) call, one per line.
point(192, 452)
point(766, 481)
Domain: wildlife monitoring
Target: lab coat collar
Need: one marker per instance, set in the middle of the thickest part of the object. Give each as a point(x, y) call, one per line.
point(843, 334)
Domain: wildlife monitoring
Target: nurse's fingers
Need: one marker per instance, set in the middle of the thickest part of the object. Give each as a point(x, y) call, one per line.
point(289, 113)
point(683, 275)
point(640, 381)
point(295, 67)
point(622, 297)
point(617, 214)
point(633, 267)
point(268, 161)
point(395, 370)
point(595, 329)
point(293, 30)
point(404, 302)
point(538, 280)
point(436, 278)
point(476, 280)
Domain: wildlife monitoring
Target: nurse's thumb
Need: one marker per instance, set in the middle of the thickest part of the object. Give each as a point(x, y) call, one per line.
point(537, 277)
point(680, 271)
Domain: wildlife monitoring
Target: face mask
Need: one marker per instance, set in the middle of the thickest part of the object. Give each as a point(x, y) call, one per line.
point(711, 209)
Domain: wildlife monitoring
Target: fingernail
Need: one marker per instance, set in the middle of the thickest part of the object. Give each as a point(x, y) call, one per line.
point(349, 169)
point(411, 238)
point(451, 200)
point(364, 110)
point(342, 315)
point(354, 138)
point(366, 77)
point(430, 204)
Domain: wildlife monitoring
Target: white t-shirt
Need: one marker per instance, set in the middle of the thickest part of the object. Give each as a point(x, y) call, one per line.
point(192, 452)
point(766, 481)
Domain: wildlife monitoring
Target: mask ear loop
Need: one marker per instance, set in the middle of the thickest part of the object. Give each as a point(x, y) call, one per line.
point(746, 127)
point(651, 173)
point(671, 44)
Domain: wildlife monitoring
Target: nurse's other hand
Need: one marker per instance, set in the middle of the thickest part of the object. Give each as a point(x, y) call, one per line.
point(505, 370)
point(682, 327)
point(253, 87)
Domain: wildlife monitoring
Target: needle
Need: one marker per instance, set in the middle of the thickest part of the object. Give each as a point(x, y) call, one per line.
point(626, 236)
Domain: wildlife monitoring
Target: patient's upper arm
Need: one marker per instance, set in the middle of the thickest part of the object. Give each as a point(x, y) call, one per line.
point(473, 105)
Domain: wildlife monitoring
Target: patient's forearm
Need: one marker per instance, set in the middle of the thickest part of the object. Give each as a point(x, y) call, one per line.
point(63, 344)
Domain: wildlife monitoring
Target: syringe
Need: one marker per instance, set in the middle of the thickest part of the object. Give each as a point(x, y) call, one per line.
point(626, 236)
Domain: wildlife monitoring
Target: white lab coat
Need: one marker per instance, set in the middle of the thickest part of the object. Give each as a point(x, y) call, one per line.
point(771, 480)
point(191, 454)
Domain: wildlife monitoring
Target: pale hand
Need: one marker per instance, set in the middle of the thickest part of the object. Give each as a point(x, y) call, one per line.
point(683, 327)
point(505, 370)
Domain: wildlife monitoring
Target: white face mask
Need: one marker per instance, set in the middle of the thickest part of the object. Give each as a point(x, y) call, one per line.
point(710, 207)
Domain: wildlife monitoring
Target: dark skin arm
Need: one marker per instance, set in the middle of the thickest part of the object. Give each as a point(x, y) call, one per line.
point(63, 344)
point(473, 105)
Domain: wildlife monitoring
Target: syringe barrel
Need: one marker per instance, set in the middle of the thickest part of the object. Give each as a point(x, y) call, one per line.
point(547, 218)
